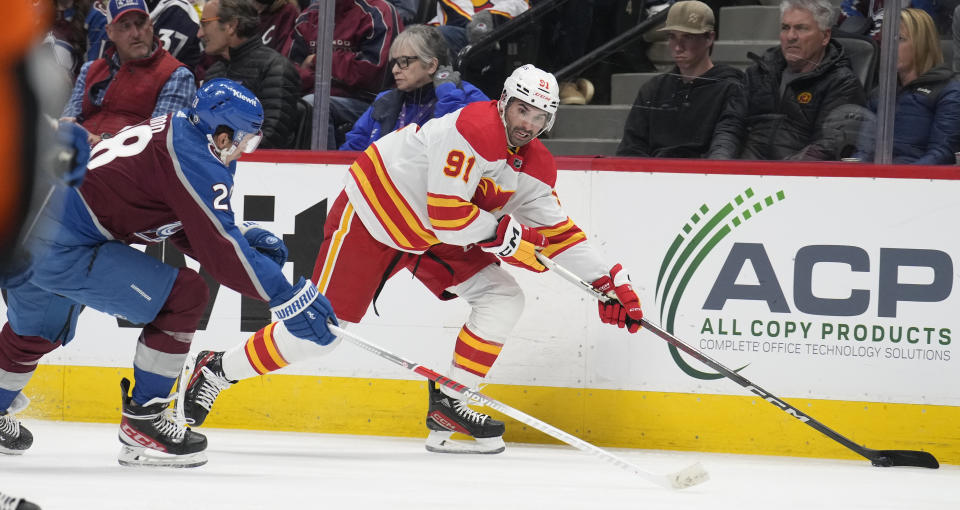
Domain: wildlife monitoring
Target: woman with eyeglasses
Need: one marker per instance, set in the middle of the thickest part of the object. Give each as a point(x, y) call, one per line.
point(426, 88)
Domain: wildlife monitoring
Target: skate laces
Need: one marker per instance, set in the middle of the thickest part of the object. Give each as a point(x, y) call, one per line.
point(9, 426)
point(211, 386)
point(8, 502)
point(464, 411)
point(164, 420)
point(167, 424)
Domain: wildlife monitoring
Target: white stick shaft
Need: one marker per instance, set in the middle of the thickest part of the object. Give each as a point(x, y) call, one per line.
point(689, 476)
point(568, 275)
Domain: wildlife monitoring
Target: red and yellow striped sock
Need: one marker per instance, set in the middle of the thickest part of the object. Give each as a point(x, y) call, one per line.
point(262, 352)
point(474, 354)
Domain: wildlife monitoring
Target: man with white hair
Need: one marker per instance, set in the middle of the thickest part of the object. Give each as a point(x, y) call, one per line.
point(794, 86)
point(449, 200)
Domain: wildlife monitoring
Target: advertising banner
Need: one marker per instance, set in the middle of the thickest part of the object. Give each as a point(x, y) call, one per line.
point(811, 285)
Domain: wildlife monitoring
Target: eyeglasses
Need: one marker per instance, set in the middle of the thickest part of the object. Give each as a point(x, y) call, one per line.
point(204, 21)
point(403, 62)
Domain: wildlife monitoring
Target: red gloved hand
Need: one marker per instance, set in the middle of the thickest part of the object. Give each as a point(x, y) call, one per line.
point(625, 305)
point(516, 244)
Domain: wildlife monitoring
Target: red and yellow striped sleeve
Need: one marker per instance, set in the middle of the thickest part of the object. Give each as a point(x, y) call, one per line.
point(448, 212)
point(561, 236)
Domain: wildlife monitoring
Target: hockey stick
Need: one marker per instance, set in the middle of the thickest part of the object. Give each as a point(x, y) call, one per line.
point(882, 458)
point(687, 477)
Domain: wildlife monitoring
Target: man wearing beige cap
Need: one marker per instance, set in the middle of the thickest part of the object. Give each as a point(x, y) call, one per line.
point(693, 111)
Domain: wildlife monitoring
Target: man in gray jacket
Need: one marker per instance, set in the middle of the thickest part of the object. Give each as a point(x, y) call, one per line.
point(695, 110)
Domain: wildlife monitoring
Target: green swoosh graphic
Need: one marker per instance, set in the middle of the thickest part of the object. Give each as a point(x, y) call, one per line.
point(736, 221)
point(694, 242)
point(676, 244)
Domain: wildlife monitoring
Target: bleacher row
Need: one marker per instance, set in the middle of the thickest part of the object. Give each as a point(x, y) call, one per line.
point(596, 129)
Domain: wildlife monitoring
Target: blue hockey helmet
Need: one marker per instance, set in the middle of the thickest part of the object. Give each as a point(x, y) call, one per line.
point(224, 102)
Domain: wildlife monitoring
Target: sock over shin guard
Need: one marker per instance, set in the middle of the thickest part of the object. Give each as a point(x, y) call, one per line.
point(165, 341)
point(269, 349)
point(19, 356)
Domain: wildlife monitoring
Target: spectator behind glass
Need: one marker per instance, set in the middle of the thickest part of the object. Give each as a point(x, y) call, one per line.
point(693, 111)
point(427, 88)
point(67, 36)
point(176, 23)
point(465, 21)
point(865, 17)
point(363, 31)
point(793, 87)
point(228, 29)
point(276, 21)
point(926, 126)
point(406, 9)
point(95, 26)
point(135, 80)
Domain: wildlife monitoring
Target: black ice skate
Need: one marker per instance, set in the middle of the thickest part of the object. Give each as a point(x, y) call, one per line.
point(14, 437)
point(446, 415)
point(12, 503)
point(205, 383)
point(152, 437)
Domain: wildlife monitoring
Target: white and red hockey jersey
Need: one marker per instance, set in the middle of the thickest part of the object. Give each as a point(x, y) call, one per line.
point(452, 179)
point(460, 12)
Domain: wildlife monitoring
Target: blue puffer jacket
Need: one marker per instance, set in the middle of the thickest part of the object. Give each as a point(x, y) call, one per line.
point(393, 109)
point(926, 125)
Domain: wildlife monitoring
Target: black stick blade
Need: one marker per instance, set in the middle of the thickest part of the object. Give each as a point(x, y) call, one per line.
point(888, 458)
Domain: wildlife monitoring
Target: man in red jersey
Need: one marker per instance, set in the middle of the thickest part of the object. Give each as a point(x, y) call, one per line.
point(448, 200)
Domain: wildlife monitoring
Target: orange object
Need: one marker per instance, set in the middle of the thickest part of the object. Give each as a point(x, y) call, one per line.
point(25, 21)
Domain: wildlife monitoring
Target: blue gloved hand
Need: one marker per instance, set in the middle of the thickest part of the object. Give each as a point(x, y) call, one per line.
point(75, 152)
point(265, 242)
point(305, 312)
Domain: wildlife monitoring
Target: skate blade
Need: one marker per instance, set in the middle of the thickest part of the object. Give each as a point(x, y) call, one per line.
point(132, 456)
point(439, 442)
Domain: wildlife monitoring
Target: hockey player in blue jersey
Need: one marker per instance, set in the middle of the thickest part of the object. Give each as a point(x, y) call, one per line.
point(169, 178)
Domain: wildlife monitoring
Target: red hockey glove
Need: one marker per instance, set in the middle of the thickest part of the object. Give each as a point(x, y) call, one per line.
point(516, 244)
point(625, 305)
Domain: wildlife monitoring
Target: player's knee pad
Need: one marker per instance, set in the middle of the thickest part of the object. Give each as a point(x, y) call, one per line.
point(20, 354)
point(496, 300)
point(186, 303)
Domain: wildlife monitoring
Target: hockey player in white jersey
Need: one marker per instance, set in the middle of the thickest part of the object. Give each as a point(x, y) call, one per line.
point(448, 200)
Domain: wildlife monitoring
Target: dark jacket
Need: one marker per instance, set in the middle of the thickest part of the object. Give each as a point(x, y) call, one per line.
point(394, 109)
point(273, 79)
point(790, 126)
point(926, 125)
point(672, 118)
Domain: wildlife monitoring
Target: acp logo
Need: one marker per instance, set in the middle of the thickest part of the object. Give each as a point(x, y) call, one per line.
point(696, 239)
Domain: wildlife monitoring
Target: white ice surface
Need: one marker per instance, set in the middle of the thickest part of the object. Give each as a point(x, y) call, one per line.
point(73, 466)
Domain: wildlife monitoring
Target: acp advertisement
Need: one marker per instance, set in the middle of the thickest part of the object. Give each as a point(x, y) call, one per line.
point(809, 285)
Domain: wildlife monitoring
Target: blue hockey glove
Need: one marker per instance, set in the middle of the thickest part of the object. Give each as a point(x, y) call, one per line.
point(265, 242)
point(75, 152)
point(305, 312)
